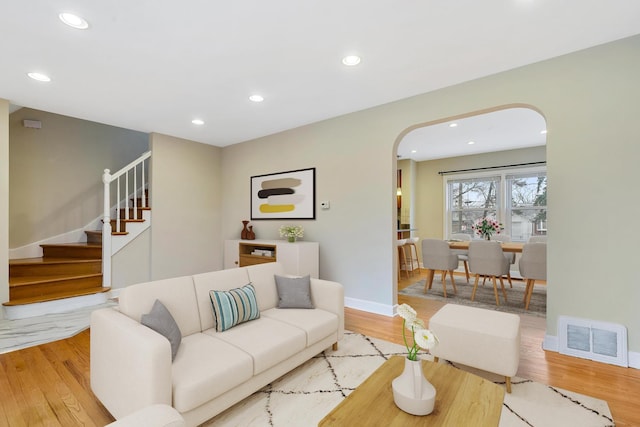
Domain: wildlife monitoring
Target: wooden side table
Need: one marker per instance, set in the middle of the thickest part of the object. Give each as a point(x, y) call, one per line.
point(462, 399)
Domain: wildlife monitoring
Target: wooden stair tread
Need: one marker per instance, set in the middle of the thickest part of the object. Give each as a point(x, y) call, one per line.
point(57, 296)
point(35, 280)
point(71, 245)
point(51, 260)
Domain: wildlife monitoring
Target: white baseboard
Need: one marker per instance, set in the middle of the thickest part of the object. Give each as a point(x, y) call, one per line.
point(370, 306)
point(550, 343)
point(33, 250)
point(634, 360)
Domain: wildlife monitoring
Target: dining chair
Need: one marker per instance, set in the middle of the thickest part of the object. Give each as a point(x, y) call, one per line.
point(537, 239)
point(437, 256)
point(487, 259)
point(463, 254)
point(510, 255)
point(533, 266)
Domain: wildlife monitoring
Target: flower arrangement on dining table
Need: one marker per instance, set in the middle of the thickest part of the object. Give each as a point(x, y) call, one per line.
point(423, 338)
point(486, 227)
point(292, 232)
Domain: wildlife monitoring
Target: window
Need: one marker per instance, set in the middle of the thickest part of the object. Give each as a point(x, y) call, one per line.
point(517, 198)
point(527, 211)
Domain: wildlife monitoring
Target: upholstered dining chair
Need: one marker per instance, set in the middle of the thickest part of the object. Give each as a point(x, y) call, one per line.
point(533, 266)
point(487, 259)
point(463, 254)
point(510, 255)
point(437, 256)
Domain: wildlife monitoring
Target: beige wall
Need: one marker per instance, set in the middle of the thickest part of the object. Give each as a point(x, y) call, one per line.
point(132, 264)
point(185, 207)
point(4, 201)
point(56, 172)
point(589, 100)
point(429, 194)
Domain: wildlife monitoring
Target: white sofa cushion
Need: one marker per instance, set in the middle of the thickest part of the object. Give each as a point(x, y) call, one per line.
point(317, 324)
point(267, 341)
point(263, 278)
point(176, 294)
point(222, 280)
point(205, 368)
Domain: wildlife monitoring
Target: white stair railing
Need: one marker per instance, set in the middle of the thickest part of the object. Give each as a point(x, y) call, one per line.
point(135, 170)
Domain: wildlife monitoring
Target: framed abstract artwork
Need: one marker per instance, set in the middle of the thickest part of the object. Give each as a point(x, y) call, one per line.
point(284, 195)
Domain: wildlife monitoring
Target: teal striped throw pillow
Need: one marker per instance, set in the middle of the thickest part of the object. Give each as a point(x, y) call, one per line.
point(235, 306)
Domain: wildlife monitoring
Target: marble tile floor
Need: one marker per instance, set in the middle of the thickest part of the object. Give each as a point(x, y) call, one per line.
point(22, 333)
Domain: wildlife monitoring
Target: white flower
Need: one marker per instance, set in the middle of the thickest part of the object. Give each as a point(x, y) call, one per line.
point(425, 339)
point(415, 324)
point(407, 312)
point(291, 231)
point(422, 337)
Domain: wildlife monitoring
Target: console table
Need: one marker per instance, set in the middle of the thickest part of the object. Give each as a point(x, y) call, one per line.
point(298, 258)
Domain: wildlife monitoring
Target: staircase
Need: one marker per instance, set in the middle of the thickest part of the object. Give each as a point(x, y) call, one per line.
point(69, 270)
point(65, 270)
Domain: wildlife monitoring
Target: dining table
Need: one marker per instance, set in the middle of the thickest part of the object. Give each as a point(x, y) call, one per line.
point(506, 246)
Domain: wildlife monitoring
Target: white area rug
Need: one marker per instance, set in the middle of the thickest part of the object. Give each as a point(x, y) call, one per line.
point(304, 396)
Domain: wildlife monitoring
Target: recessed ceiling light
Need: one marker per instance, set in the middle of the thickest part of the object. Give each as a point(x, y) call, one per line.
point(471, 142)
point(351, 60)
point(39, 77)
point(198, 122)
point(453, 125)
point(414, 151)
point(74, 21)
point(256, 98)
point(543, 132)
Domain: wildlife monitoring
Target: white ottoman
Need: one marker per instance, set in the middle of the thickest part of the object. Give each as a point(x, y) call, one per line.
point(151, 416)
point(480, 338)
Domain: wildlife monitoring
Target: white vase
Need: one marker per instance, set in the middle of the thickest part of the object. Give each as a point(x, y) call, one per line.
point(411, 391)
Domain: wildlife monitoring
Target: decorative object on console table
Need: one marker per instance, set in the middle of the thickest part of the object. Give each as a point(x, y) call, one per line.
point(291, 232)
point(284, 195)
point(251, 235)
point(485, 227)
point(243, 233)
point(411, 391)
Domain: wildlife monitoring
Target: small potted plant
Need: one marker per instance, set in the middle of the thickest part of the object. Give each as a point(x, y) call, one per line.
point(291, 232)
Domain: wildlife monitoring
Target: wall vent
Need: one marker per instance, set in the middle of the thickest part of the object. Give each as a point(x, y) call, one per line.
point(590, 339)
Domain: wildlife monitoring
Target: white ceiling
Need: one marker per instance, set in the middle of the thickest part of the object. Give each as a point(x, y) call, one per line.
point(496, 131)
point(154, 65)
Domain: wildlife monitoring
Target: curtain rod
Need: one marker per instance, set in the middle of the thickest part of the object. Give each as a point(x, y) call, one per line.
point(493, 167)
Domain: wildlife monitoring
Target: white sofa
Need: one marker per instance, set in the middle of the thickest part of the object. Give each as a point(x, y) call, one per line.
point(131, 364)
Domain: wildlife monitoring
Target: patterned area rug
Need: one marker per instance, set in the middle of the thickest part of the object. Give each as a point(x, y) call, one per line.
point(484, 295)
point(305, 395)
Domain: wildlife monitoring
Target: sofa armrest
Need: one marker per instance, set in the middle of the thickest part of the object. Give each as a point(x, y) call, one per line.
point(130, 363)
point(329, 296)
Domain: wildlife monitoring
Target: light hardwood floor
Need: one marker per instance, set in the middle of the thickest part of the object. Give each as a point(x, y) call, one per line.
point(48, 385)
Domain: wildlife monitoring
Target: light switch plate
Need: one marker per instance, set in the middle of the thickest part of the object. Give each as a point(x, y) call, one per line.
point(324, 205)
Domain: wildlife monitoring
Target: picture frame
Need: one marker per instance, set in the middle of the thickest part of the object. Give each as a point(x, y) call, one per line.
point(284, 195)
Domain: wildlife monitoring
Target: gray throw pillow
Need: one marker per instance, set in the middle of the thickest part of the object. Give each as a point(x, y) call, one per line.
point(294, 292)
point(160, 320)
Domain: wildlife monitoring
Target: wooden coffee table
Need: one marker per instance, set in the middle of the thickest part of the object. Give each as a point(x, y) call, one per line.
point(462, 399)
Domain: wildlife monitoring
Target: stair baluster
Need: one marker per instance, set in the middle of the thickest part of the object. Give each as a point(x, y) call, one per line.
point(108, 179)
